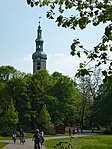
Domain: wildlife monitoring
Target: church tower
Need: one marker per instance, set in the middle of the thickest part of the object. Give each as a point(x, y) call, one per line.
point(39, 57)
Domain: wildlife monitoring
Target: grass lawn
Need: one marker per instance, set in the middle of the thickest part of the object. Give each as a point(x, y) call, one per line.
point(5, 138)
point(27, 135)
point(88, 142)
point(2, 144)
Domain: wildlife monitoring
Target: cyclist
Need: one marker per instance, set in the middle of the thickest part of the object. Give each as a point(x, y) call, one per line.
point(37, 139)
point(21, 136)
point(41, 136)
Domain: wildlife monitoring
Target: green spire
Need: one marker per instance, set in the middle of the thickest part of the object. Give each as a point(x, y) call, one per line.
point(39, 57)
point(39, 41)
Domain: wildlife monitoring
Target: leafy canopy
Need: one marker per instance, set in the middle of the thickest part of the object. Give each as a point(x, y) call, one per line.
point(82, 13)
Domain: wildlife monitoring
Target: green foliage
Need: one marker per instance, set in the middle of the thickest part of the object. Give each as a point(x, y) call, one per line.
point(2, 98)
point(103, 104)
point(11, 115)
point(49, 129)
point(65, 93)
point(44, 117)
point(95, 99)
point(6, 72)
point(9, 119)
point(16, 88)
point(43, 100)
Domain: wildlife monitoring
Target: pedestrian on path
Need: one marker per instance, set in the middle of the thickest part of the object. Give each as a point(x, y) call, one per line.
point(73, 131)
point(70, 132)
point(14, 135)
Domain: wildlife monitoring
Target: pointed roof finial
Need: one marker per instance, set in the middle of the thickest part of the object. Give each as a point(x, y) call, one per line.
point(39, 20)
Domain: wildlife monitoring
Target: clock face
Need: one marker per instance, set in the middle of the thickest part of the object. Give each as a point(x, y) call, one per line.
point(38, 58)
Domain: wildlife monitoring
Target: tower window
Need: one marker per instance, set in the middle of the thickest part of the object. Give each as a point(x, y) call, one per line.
point(38, 63)
point(38, 67)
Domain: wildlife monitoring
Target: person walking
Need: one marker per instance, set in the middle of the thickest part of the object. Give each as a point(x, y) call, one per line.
point(73, 131)
point(70, 132)
point(14, 135)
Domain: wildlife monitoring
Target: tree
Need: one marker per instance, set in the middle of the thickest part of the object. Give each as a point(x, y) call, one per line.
point(44, 117)
point(7, 72)
point(2, 97)
point(103, 112)
point(65, 95)
point(87, 102)
point(16, 89)
point(82, 13)
point(89, 86)
point(38, 86)
point(39, 99)
point(94, 82)
point(9, 119)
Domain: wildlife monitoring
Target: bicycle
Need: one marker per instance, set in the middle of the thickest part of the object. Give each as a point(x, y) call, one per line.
point(22, 139)
point(36, 146)
point(61, 145)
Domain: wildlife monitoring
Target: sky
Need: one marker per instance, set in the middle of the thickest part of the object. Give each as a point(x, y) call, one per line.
point(18, 31)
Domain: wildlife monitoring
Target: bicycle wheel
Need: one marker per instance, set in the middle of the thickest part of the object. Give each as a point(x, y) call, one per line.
point(70, 146)
point(36, 147)
point(61, 147)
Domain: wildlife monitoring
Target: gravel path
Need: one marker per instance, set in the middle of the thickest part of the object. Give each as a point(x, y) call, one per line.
point(29, 143)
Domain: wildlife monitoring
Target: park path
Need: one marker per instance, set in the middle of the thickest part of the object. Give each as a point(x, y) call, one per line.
point(29, 143)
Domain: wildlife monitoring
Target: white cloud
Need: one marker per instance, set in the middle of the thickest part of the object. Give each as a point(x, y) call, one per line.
point(24, 64)
point(28, 57)
point(60, 62)
point(65, 64)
